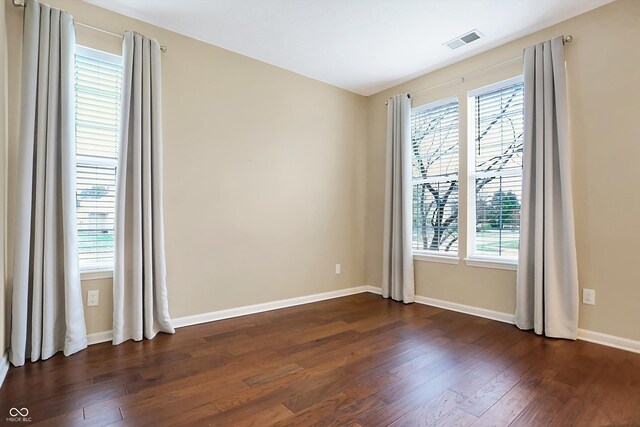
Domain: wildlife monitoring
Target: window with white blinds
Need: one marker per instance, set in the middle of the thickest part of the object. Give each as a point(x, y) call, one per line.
point(435, 148)
point(98, 86)
point(498, 127)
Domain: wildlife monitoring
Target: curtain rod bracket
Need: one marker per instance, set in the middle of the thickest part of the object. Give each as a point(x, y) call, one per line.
point(21, 3)
point(461, 79)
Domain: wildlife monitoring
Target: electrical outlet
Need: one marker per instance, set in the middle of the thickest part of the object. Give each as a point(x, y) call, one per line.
point(338, 268)
point(589, 296)
point(93, 298)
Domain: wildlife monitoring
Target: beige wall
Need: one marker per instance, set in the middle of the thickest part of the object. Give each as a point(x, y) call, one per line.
point(603, 63)
point(3, 174)
point(263, 173)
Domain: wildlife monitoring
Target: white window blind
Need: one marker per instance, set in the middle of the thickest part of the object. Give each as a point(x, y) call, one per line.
point(435, 147)
point(98, 87)
point(497, 148)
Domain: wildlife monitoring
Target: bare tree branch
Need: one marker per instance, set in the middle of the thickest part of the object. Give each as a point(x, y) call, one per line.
point(435, 212)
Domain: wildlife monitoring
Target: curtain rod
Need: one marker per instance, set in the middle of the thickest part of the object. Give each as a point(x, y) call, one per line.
point(565, 40)
point(21, 3)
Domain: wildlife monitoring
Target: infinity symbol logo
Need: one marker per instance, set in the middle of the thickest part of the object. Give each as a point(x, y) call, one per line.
point(14, 412)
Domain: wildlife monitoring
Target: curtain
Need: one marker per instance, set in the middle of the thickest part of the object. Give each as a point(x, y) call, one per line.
point(397, 269)
point(141, 307)
point(47, 306)
point(547, 282)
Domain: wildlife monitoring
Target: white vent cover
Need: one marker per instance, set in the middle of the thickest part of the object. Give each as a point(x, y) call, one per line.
point(465, 39)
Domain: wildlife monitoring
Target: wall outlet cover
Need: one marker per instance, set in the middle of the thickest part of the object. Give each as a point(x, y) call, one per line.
point(589, 296)
point(93, 298)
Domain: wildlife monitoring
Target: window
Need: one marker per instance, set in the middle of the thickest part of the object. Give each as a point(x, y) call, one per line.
point(434, 144)
point(495, 165)
point(98, 85)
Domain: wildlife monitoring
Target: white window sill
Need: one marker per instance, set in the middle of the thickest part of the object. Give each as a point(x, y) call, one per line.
point(433, 257)
point(489, 262)
point(96, 274)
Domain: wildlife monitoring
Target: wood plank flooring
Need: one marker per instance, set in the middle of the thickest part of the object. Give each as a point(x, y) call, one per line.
point(352, 361)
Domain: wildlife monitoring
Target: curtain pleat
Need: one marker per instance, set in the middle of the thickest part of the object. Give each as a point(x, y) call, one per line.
point(141, 308)
point(397, 269)
point(547, 282)
point(47, 306)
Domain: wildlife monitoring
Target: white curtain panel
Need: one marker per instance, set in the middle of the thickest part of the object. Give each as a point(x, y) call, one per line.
point(141, 307)
point(547, 283)
point(47, 310)
point(397, 269)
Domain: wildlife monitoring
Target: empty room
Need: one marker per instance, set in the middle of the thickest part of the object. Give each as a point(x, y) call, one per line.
point(319, 213)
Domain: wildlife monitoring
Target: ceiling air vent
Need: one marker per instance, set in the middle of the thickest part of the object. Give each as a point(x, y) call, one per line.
point(464, 39)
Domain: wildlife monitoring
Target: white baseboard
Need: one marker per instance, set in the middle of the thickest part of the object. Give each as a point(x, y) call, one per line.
point(583, 334)
point(373, 290)
point(180, 322)
point(467, 309)
point(609, 340)
point(98, 337)
point(4, 367)
point(259, 308)
point(196, 319)
point(453, 306)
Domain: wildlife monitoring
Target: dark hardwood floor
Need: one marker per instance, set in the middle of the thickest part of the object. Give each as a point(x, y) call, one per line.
point(353, 361)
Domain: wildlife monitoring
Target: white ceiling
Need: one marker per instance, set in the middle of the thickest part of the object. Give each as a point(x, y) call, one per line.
point(364, 46)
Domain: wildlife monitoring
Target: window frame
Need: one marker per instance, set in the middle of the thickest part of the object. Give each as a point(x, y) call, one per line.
point(425, 254)
point(95, 271)
point(474, 259)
